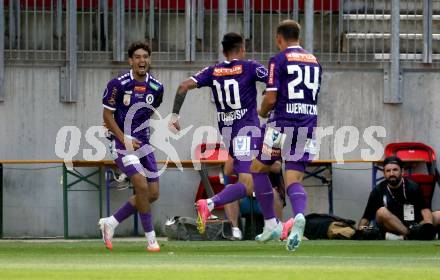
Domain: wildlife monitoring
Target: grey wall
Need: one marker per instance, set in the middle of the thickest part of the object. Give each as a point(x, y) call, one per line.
point(31, 116)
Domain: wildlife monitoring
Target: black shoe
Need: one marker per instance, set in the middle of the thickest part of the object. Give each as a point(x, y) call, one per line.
point(422, 232)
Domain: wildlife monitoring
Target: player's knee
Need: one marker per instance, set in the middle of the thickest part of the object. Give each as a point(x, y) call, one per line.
point(249, 190)
point(259, 167)
point(436, 218)
point(141, 190)
point(382, 214)
point(153, 196)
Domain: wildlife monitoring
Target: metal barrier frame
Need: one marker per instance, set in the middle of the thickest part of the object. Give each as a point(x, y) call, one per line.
point(195, 14)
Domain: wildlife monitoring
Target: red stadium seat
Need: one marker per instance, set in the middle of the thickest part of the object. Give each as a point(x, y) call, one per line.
point(212, 151)
point(258, 6)
point(275, 6)
point(424, 156)
point(93, 4)
point(216, 185)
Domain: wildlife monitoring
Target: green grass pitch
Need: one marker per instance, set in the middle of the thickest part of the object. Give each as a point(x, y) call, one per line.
point(314, 260)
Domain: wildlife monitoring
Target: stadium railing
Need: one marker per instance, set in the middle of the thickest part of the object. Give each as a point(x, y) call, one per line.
point(342, 31)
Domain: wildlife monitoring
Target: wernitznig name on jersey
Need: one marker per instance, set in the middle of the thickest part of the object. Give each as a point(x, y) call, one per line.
point(231, 116)
point(301, 108)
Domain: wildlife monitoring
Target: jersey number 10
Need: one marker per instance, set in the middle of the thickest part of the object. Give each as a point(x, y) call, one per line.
point(227, 88)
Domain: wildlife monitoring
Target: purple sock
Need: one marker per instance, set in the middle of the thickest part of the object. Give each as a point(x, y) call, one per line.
point(298, 198)
point(124, 212)
point(229, 194)
point(146, 221)
point(264, 193)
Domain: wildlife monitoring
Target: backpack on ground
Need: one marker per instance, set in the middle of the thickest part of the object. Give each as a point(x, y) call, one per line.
point(325, 226)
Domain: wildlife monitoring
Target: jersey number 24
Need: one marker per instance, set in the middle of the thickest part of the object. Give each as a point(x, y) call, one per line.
point(303, 76)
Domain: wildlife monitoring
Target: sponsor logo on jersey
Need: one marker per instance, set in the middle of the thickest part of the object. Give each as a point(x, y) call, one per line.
point(301, 57)
point(271, 70)
point(222, 71)
point(140, 88)
point(242, 145)
point(112, 99)
point(153, 86)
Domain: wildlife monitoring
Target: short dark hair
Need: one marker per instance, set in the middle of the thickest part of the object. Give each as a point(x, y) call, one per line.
point(138, 45)
point(289, 30)
point(232, 42)
point(393, 160)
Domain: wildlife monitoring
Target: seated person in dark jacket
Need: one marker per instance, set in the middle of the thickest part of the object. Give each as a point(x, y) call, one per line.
point(398, 206)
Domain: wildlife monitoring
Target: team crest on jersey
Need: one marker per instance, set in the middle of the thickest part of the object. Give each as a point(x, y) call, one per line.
point(261, 72)
point(222, 71)
point(127, 98)
point(149, 99)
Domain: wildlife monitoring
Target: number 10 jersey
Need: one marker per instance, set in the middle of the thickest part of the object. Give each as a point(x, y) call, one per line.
point(233, 85)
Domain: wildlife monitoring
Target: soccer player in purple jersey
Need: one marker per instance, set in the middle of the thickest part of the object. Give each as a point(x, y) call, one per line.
point(129, 101)
point(292, 93)
point(233, 84)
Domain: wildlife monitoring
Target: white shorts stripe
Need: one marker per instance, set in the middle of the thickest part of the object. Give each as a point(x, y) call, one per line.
point(108, 107)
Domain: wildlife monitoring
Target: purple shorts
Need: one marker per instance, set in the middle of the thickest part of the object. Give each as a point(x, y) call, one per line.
point(140, 161)
point(243, 149)
point(286, 143)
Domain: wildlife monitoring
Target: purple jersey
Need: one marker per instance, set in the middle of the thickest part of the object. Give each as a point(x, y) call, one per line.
point(233, 85)
point(126, 96)
point(296, 76)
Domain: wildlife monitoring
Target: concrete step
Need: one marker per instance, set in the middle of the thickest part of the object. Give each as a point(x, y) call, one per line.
point(405, 56)
point(370, 36)
point(385, 17)
point(380, 43)
point(370, 6)
point(370, 23)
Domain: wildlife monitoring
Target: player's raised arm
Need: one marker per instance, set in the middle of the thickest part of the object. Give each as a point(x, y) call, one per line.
point(178, 101)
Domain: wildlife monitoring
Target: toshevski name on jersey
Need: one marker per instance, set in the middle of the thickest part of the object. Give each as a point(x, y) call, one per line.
point(232, 115)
